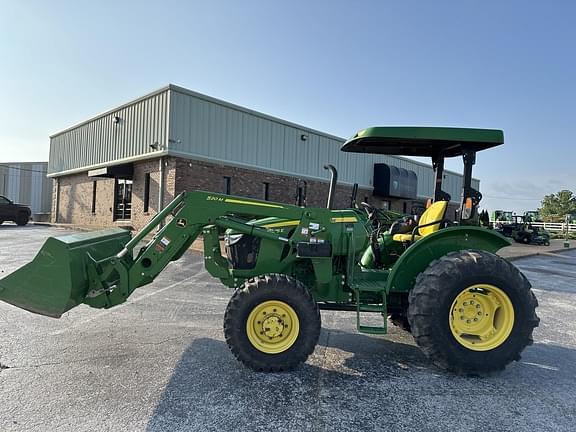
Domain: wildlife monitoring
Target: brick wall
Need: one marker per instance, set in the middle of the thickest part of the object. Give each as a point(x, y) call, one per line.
point(198, 175)
point(76, 193)
point(184, 174)
point(76, 201)
point(152, 167)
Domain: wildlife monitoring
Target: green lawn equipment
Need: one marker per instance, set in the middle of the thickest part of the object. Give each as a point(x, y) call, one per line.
point(469, 310)
point(524, 232)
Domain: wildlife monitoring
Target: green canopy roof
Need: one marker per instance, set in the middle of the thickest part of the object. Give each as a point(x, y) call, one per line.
point(422, 141)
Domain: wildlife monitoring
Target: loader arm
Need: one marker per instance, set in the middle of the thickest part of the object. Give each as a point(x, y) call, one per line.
point(194, 213)
point(103, 268)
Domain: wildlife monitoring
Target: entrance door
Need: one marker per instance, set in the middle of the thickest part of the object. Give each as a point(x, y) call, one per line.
point(123, 199)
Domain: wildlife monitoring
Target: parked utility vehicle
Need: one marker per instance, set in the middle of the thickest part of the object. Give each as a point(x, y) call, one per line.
point(468, 309)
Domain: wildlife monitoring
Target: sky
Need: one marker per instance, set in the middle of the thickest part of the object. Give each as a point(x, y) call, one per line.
point(334, 66)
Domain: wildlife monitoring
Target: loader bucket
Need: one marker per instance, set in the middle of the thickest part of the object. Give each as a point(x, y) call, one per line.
point(56, 279)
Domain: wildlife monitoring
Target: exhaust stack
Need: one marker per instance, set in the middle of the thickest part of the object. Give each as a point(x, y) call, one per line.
point(333, 181)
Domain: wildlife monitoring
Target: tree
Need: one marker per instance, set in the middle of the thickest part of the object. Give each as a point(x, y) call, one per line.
point(556, 206)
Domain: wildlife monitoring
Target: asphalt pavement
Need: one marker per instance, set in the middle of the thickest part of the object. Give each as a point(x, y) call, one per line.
point(160, 363)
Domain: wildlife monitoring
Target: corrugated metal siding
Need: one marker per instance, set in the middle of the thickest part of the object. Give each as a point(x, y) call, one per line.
point(26, 183)
point(100, 140)
point(206, 129)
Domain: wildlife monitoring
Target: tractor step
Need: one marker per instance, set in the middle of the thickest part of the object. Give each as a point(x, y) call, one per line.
point(370, 307)
point(367, 286)
point(372, 330)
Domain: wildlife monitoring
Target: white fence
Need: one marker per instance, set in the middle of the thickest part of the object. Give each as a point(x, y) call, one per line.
point(549, 226)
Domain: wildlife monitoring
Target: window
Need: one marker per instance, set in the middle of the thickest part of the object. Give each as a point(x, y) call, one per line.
point(146, 192)
point(94, 197)
point(122, 199)
point(266, 191)
point(227, 184)
point(404, 207)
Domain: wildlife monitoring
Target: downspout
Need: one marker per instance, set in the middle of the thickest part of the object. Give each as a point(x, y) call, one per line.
point(57, 205)
point(161, 191)
point(162, 182)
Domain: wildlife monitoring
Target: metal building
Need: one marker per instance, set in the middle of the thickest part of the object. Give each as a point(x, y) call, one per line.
point(175, 139)
point(26, 183)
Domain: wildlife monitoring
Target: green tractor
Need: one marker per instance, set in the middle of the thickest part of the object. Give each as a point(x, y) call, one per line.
point(469, 310)
point(532, 216)
point(501, 217)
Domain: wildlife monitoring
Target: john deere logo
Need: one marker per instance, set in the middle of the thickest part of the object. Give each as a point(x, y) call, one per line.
point(181, 222)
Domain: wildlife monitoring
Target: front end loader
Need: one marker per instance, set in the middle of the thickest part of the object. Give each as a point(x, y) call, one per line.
point(468, 309)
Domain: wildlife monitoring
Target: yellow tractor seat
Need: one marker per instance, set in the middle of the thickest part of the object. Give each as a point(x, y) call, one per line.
point(426, 225)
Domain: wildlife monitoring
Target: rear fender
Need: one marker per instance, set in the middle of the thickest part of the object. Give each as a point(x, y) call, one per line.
point(421, 253)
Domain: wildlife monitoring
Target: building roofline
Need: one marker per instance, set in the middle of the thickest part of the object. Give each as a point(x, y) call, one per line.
point(201, 96)
point(23, 162)
point(185, 91)
point(188, 92)
point(111, 110)
point(252, 112)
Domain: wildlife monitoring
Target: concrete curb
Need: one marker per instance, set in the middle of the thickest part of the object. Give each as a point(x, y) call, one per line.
point(78, 227)
point(548, 252)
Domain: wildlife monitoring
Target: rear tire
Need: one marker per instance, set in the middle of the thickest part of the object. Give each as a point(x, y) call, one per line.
point(22, 219)
point(272, 323)
point(472, 312)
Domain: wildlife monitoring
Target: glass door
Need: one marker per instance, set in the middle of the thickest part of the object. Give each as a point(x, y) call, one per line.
point(123, 199)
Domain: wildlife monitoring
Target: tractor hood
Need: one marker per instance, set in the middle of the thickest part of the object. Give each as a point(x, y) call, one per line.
point(423, 141)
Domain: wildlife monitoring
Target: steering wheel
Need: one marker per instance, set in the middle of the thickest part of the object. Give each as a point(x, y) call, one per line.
point(373, 218)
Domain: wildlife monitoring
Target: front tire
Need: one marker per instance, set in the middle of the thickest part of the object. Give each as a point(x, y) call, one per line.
point(272, 323)
point(472, 312)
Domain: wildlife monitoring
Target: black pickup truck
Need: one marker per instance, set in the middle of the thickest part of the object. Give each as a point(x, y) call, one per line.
point(13, 212)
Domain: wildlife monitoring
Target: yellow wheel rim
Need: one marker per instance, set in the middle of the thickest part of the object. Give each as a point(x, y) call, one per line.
point(272, 327)
point(481, 317)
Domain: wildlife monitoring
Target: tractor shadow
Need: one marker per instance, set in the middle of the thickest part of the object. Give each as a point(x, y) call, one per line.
point(210, 390)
